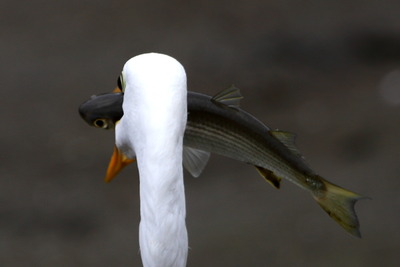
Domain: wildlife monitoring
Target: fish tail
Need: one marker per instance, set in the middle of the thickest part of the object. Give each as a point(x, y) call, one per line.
point(339, 204)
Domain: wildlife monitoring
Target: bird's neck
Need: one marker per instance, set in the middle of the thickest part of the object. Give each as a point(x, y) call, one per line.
point(158, 140)
point(163, 234)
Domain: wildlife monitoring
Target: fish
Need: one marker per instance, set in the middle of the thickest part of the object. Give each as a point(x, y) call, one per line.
point(218, 125)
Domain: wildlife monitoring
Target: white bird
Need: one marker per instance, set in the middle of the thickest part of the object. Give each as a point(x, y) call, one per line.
point(152, 129)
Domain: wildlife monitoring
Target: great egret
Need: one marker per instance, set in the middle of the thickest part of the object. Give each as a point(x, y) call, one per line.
point(152, 129)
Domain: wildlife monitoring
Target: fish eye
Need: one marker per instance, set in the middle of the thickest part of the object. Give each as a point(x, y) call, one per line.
point(121, 82)
point(101, 123)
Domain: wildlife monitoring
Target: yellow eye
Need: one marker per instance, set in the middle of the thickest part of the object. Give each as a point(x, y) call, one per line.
point(101, 123)
point(121, 82)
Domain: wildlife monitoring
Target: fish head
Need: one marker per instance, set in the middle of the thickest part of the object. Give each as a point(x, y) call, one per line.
point(103, 111)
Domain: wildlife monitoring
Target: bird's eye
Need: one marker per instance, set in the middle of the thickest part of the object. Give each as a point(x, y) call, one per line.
point(121, 82)
point(100, 123)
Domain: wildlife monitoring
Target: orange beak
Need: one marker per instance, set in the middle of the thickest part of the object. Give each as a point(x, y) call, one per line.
point(117, 90)
point(117, 162)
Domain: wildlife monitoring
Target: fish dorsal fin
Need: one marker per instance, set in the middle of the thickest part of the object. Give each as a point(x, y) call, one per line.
point(230, 97)
point(271, 178)
point(194, 160)
point(286, 138)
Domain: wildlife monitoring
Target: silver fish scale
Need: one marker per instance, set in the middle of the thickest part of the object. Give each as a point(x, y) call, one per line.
point(233, 143)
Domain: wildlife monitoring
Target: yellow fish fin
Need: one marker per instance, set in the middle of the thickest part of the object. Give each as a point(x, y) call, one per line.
point(339, 204)
point(271, 178)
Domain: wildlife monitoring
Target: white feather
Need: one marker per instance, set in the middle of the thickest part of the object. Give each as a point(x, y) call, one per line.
point(152, 129)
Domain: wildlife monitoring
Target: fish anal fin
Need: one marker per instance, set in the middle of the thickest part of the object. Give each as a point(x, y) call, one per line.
point(229, 97)
point(270, 176)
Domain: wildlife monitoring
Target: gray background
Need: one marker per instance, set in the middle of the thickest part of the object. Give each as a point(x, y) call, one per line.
point(326, 70)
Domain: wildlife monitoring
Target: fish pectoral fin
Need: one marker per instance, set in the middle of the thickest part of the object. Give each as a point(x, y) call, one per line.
point(270, 176)
point(229, 97)
point(195, 160)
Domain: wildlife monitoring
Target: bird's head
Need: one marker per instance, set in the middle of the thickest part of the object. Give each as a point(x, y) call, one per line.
point(105, 111)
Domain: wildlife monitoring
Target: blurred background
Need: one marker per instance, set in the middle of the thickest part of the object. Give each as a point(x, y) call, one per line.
point(328, 71)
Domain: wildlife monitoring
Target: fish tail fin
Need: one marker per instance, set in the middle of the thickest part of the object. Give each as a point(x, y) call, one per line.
point(339, 204)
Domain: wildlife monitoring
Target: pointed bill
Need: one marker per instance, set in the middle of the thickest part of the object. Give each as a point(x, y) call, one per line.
point(117, 162)
point(117, 90)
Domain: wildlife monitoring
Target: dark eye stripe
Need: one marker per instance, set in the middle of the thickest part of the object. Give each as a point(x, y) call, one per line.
point(119, 82)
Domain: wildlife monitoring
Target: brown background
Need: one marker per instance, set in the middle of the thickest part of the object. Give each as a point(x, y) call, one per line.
point(326, 70)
